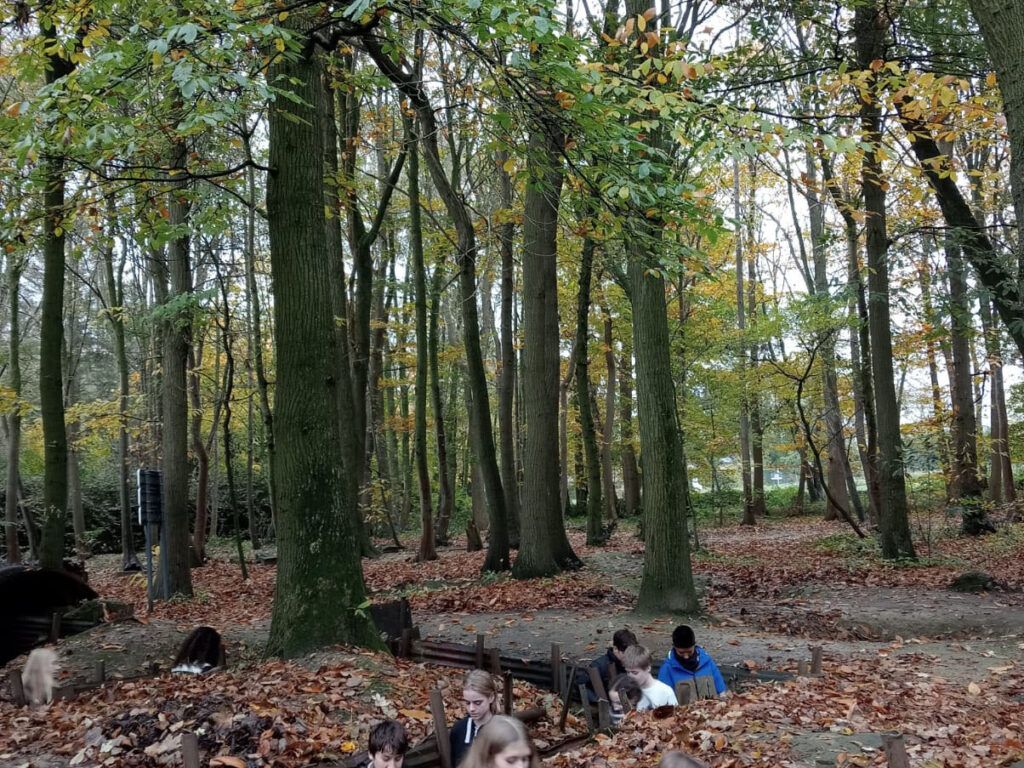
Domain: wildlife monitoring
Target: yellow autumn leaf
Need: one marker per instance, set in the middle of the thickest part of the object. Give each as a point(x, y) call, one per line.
point(348, 747)
point(974, 689)
point(990, 79)
point(279, 44)
point(509, 165)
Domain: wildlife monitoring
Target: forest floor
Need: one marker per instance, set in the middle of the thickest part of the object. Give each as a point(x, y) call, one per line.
point(902, 653)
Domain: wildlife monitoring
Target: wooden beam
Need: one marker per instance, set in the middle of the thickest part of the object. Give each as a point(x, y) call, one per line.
point(444, 747)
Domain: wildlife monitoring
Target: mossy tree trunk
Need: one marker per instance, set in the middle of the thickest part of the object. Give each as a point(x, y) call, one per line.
point(320, 590)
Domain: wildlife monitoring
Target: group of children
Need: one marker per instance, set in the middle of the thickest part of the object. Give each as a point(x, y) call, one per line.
point(484, 739)
point(629, 663)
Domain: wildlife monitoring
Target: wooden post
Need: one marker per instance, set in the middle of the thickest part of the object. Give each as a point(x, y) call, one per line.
point(189, 750)
point(444, 747)
point(705, 686)
point(597, 683)
point(604, 714)
point(566, 699)
point(801, 668)
point(495, 661)
point(99, 672)
point(479, 651)
point(508, 693)
point(17, 689)
point(556, 667)
point(62, 692)
point(54, 627)
point(405, 644)
point(895, 751)
point(815, 659)
point(685, 692)
point(586, 708)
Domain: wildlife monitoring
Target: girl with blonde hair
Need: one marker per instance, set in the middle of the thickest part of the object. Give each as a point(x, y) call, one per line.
point(503, 743)
point(480, 695)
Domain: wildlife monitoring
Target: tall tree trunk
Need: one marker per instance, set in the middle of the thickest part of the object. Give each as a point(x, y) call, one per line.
point(838, 462)
point(1002, 27)
point(419, 279)
point(71, 389)
point(741, 356)
point(938, 404)
point(507, 375)
point(481, 434)
point(445, 494)
point(544, 547)
point(860, 345)
point(51, 325)
point(320, 584)
point(177, 334)
point(667, 583)
point(15, 265)
point(894, 529)
point(965, 450)
point(610, 500)
point(115, 315)
point(595, 529)
point(252, 296)
point(202, 456)
point(630, 475)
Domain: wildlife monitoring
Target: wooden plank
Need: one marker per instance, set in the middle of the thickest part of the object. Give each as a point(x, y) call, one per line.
point(480, 651)
point(686, 692)
point(802, 668)
point(597, 683)
point(54, 627)
point(604, 714)
point(815, 659)
point(705, 685)
point(444, 746)
point(189, 750)
point(17, 689)
point(567, 700)
point(895, 751)
point(495, 662)
point(405, 644)
point(508, 693)
point(556, 666)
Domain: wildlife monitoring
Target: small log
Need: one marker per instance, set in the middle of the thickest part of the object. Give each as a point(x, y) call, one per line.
point(895, 751)
point(815, 659)
point(189, 750)
point(802, 668)
point(17, 689)
point(444, 746)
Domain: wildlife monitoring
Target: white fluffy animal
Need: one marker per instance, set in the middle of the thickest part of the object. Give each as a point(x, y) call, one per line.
point(37, 676)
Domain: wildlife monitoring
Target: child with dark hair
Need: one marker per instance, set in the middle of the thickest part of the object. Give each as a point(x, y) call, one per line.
point(625, 691)
point(609, 666)
point(388, 745)
point(637, 661)
point(687, 660)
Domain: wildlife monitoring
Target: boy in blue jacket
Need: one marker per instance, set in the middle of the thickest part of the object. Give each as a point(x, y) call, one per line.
point(688, 660)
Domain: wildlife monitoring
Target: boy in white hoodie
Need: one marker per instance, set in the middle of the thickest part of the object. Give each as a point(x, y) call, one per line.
point(637, 661)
